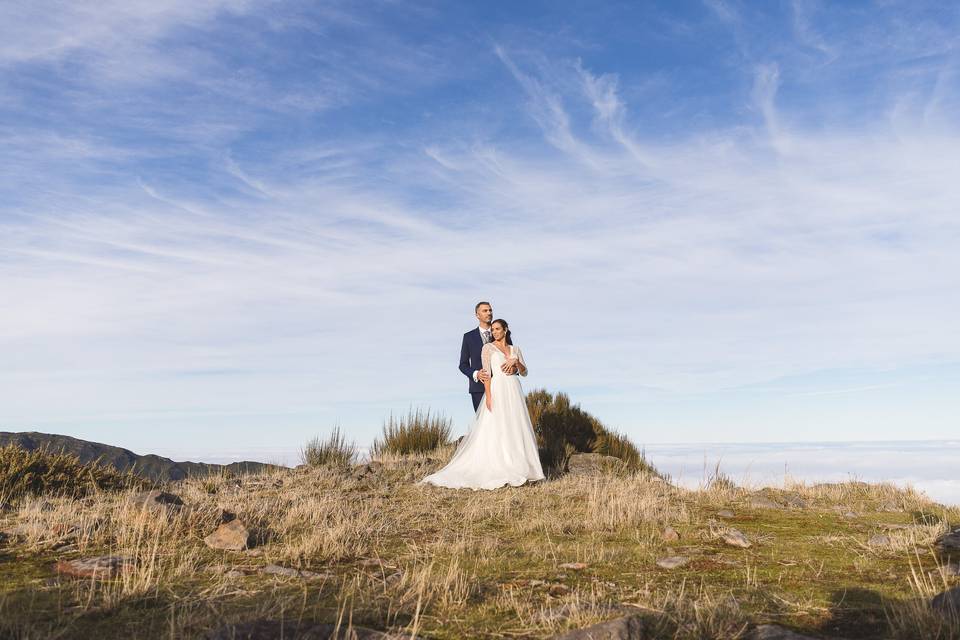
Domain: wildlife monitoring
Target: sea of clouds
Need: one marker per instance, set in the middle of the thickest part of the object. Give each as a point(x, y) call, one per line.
point(929, 466)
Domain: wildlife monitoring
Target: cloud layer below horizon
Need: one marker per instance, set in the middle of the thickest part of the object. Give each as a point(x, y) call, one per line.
point(224, 218)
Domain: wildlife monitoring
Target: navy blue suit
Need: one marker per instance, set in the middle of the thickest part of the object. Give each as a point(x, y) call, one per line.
point(470, 362)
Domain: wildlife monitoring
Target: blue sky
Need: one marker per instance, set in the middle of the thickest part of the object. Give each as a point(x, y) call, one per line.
point(247, 222)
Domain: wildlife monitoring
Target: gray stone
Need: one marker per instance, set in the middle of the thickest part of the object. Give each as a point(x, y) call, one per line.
point(878, 540)
point(302, 630)
point(949, 541)
point(948, 602)
point(725, 513)
point(672, 562)
point(157, 501)
point(670, 535)
point(277, 570)
point(573, 566)
point(763, 502)
point(230, 536)
point(794, 501)
point(629, 627)
point(735, 538)
point(97, 567)
point(775, 632)
point(592, 463)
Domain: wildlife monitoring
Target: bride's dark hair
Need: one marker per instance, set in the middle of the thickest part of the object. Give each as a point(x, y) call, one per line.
point(506, 328)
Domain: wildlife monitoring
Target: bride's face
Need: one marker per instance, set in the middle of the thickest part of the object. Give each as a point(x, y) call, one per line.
point(498, 331)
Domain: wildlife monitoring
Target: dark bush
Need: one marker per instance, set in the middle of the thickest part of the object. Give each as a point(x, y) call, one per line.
point(563, 429)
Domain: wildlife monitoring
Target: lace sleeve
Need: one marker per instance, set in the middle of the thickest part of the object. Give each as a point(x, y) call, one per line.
point(485, 355)
point(524, 371)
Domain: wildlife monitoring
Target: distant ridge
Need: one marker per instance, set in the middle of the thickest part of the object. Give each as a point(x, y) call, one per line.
point(152, 467)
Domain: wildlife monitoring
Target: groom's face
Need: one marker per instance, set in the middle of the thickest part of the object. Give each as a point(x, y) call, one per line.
point(485, 313)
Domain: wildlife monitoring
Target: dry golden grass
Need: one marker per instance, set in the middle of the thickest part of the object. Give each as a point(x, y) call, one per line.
point(417, 559)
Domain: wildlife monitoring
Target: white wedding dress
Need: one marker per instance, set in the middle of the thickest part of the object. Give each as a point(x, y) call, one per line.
point(500, 447)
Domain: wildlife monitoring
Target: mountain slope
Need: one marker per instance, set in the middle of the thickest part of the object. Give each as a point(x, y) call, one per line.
point(150, 466)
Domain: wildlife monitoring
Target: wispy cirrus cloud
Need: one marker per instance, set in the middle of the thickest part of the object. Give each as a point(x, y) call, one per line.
point(221, 254)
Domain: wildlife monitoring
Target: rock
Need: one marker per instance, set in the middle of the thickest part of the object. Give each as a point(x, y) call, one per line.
point(725, 513)
point(574, 566)
point(763, 502)
point(849, 514)
point(558, 589)
point(949, 541)
point(230, 536)
point(735, 538)
point(97, 567)
point(670, 535)
point(156, 500)
point(233, 574)
point(302, 630)
point(592, 463)
point(948, 602)
point(794, 501)
point(775, 632)
point(878, 540)
point(672, 562)
point(950, 569)
point(890, 506)
point(369, 469)
point(277, 570)
point(629, 627)
point(224, 516)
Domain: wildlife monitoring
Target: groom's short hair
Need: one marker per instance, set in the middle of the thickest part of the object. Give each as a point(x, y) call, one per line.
point(480, 304)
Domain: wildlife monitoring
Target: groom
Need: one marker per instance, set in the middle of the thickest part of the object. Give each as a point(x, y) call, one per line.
point(473, 341)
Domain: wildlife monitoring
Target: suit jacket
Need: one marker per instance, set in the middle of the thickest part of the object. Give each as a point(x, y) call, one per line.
point(470, 357)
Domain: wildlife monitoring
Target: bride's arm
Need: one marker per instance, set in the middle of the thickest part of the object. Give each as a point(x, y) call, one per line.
point(521, 365)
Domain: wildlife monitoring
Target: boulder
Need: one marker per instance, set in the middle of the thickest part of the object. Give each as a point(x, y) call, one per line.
point(672, 562)
point(947, 602)
point(629, 627)
point(156, 500)
point(230, 536)
point(303, 630)
point(763, 502)
point(670, 535)
point(949, 541)
point(580, 464)
point(794, 501)
point(735, 538)
point(96, 567)
point(775, 632)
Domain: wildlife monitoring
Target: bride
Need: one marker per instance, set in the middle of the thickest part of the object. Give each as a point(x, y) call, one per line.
point(500, 447)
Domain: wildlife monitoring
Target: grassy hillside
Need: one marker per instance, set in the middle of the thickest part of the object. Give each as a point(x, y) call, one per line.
point(368, 545)
point(149, 467)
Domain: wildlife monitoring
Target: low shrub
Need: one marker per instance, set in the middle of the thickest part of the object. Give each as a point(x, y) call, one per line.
point(45, 472)
point(335, 450)
point(563, 428)
point(418, 432)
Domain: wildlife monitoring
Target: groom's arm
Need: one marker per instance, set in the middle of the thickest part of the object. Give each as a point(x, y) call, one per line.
point(465, 360)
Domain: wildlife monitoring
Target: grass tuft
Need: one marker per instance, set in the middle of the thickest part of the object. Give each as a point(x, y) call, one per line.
point(334, 451)
point(419, 432)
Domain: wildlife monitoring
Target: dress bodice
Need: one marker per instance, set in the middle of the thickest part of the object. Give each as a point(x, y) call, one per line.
point(492, 358)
